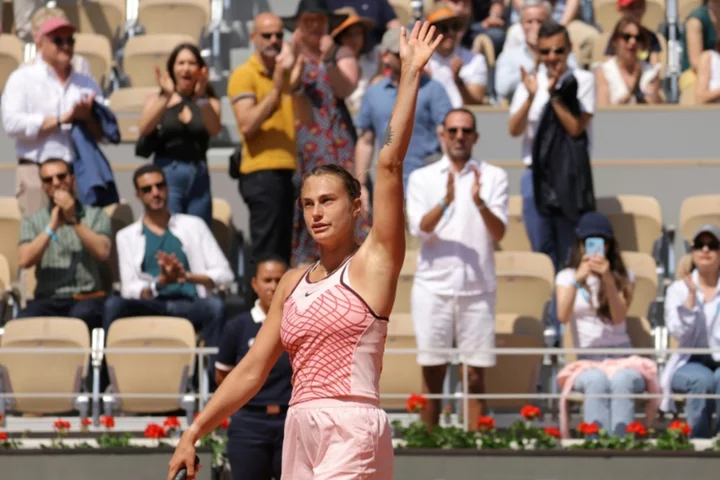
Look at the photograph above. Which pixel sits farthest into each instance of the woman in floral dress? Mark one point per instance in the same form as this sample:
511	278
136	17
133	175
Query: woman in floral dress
331	73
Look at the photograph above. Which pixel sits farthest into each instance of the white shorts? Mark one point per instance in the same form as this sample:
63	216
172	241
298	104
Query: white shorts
444	321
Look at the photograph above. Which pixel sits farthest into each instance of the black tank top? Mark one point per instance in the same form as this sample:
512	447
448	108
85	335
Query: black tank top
183	141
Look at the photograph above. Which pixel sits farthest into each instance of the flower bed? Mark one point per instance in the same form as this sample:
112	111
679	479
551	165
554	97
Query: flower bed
524	450
524	434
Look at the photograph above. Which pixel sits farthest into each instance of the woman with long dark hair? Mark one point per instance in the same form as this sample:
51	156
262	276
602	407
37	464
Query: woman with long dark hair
177	124
593	295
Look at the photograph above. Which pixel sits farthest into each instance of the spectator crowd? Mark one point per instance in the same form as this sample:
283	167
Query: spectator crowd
319	89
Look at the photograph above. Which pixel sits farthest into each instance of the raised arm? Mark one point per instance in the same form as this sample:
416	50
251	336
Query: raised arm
388	233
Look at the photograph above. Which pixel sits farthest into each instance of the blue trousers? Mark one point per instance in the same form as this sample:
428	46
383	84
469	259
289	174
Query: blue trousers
694	377
254	447
612	414
188	187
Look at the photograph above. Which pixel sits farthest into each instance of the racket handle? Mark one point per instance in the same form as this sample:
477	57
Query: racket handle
182	474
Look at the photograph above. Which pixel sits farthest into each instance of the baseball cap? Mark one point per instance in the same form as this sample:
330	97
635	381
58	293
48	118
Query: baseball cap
713	230
594	224
391	41
52	24
625	3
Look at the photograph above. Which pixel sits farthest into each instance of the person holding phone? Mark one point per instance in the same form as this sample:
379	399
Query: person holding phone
593	295
177	124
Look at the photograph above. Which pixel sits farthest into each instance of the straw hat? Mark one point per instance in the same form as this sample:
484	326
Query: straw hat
352	19
440	13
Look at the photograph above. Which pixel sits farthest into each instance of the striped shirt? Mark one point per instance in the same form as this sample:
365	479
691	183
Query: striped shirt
66	268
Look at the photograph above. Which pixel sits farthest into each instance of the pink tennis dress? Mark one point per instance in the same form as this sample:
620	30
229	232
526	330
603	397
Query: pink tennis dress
335	429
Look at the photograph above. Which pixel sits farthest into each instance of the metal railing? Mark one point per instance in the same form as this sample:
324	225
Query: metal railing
202	395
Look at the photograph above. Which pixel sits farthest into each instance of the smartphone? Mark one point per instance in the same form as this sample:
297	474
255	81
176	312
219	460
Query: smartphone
595	246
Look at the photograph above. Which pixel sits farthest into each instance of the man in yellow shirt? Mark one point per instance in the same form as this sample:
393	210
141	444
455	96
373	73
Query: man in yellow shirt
264	96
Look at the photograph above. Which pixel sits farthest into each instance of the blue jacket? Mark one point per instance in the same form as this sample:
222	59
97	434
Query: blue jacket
95	181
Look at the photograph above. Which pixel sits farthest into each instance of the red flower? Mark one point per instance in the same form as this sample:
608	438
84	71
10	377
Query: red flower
680	426
108	421
552	431
637	429
588	428
86	422
154	430
225	423
3	436
171	422
61	425
530	412
485	423
416	403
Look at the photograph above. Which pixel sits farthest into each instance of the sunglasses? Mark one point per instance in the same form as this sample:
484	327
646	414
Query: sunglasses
48	180
269	35
453	131
446	28
62	41
556	50
148	188
712	245
628	36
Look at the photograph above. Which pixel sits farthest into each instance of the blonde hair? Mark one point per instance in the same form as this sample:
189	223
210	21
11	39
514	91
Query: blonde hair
44	14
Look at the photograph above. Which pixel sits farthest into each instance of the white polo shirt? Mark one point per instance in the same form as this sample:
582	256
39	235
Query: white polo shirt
585	93
457	258
473	72
34	92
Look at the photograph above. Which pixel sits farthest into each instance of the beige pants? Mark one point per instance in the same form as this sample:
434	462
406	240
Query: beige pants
28	189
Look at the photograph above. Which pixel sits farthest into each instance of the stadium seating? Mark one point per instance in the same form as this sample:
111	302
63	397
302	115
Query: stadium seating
167	374
188	17
11	57
33	373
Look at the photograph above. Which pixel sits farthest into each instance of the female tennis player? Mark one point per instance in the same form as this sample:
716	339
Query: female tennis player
332	318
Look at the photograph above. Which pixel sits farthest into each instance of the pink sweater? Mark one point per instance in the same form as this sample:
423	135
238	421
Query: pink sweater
646	367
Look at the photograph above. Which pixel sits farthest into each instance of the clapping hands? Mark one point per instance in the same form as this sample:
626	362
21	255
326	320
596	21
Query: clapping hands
171	269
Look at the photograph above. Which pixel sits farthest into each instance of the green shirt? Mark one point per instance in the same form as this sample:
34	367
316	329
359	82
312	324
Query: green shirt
66	267
709	35
168	243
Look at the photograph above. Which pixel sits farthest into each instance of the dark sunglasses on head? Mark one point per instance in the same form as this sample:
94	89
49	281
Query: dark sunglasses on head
61	41
148	188
60	176
446	28
269	35
628	36
713	245
556	50
453	131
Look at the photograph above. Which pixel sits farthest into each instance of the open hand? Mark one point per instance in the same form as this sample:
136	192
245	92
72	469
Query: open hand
164	81
477	185
416	50
450	189
530	81
201	82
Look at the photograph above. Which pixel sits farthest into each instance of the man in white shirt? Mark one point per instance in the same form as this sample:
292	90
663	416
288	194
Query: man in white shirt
458	207
533	13
462	72
552	235
39	104
169	264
